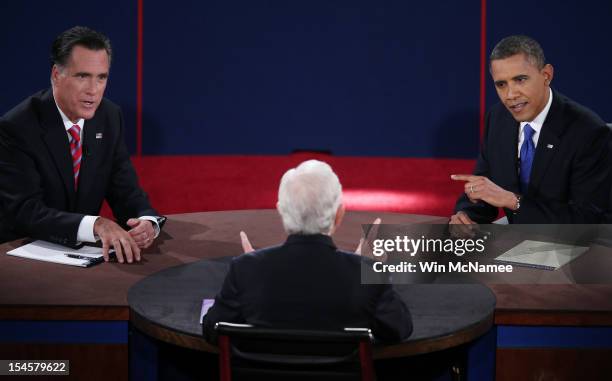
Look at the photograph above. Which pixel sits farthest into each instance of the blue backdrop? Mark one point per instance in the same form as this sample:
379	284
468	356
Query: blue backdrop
575	37
354	77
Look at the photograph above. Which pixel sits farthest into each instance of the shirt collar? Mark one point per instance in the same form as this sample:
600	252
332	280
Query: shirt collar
310	238
67	122
538	121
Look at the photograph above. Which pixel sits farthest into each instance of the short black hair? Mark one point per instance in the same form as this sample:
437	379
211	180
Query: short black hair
78	35
519	44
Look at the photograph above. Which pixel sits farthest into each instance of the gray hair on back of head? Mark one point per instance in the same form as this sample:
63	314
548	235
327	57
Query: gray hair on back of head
308	198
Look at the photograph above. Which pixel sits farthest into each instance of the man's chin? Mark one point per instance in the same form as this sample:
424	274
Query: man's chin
88	114
521	116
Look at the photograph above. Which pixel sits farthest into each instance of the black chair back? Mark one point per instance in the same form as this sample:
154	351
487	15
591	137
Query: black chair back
252	353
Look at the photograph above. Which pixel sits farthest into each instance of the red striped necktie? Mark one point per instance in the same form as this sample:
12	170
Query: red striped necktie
76	151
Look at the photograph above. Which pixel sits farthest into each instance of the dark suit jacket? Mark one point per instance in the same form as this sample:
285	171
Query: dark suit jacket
37	196
309	284
570	174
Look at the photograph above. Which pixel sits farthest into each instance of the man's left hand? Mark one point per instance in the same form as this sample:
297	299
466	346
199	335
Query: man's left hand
142	232
246	244
366	241
481	188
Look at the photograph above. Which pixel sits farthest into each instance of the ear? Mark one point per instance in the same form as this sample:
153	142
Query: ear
55	72
338	219
548	72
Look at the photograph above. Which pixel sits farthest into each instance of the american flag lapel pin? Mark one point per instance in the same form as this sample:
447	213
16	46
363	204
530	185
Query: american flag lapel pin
98	135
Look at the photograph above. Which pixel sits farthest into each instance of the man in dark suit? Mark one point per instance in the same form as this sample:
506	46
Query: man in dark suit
62	153
307	282
544	158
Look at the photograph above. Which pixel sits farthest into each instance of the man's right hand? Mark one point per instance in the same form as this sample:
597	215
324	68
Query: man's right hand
462	226
112	235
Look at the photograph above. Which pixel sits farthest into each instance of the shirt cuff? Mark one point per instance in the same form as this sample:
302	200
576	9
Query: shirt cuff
154	221
86	229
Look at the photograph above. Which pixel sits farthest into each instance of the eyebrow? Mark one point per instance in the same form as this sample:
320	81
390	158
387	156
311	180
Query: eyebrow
84	73
515	78
520	76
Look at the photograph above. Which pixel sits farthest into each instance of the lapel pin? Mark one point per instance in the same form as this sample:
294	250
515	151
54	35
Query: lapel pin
549	146
99	135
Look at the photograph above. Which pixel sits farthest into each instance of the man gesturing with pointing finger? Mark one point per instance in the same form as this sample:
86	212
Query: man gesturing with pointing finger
544	158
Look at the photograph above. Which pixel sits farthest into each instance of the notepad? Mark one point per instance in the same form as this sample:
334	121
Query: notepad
541	255
206	304
86	256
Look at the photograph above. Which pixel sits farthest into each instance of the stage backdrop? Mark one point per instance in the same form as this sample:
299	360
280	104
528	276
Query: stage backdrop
29	27
383	78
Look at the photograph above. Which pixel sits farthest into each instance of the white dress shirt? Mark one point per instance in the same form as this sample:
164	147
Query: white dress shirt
536	124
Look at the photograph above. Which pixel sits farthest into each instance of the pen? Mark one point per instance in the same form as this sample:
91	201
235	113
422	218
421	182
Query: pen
76	256
90	261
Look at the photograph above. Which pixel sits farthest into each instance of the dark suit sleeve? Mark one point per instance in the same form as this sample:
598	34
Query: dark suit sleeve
589	185
226	307
392	320
22	194
124	195
480	212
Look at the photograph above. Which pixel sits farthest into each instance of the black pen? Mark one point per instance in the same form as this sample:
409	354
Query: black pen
90	261
76	256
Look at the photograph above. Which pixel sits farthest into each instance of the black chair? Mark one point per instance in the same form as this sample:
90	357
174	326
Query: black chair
253	353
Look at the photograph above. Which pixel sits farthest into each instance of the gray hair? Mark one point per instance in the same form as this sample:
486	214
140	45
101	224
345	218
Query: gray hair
308	198
514	45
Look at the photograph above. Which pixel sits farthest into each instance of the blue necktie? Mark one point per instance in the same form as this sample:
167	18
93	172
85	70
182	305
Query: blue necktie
527	154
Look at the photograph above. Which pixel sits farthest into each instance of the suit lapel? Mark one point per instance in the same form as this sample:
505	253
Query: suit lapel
55	137
92	138
549	140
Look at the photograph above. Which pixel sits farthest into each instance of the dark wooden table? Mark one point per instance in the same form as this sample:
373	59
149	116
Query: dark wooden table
55	311
45	293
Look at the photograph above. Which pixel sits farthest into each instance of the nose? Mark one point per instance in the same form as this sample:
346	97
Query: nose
512	91
92	86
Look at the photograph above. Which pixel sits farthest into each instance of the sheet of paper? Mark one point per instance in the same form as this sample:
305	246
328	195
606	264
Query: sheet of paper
50	252
545	255
206	304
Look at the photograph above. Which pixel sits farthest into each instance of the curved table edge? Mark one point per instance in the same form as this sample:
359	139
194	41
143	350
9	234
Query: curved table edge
435	344
169	335
463	336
